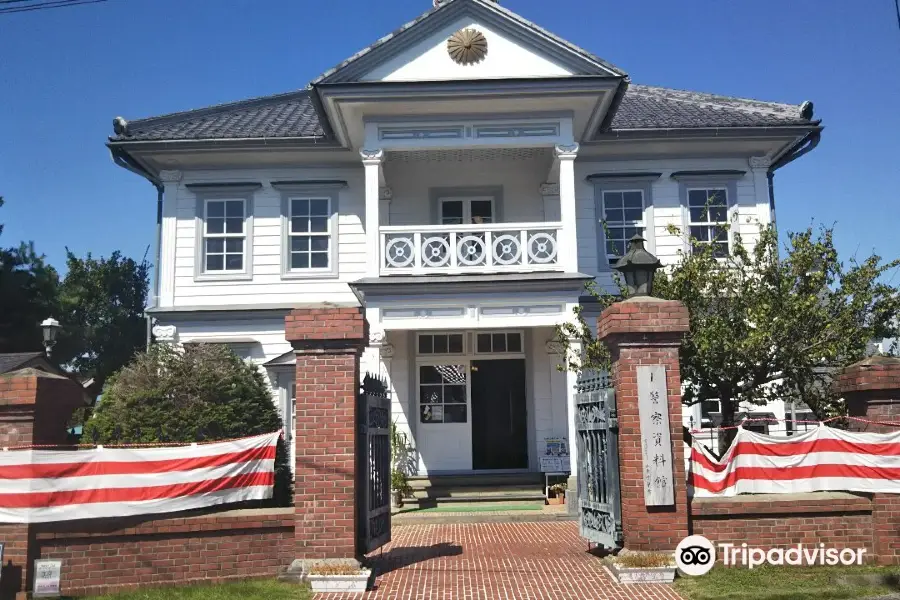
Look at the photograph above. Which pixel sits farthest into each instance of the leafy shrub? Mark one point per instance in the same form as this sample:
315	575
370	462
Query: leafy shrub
200	393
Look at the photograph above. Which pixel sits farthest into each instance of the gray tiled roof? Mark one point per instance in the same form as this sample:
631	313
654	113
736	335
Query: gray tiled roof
647	107
281	116
13	360
294	115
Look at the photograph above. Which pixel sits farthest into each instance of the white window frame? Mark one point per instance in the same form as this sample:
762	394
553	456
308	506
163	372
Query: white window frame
622	182
708	180
223	192
310	190
622	225
431	334
467	208
709	224
448	361
291	235
504	353
224	236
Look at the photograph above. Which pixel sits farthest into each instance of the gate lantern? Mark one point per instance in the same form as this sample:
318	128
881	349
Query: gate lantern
639	267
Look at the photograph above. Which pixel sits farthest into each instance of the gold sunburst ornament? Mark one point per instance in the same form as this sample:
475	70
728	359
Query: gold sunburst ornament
467	46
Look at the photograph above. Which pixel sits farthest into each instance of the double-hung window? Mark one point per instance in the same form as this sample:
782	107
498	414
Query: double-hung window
624	208
310	227
224	235
623	218
708	218
309	233
708	199
224	216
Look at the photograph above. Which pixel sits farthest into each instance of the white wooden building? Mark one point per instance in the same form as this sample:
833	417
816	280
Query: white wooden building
453	179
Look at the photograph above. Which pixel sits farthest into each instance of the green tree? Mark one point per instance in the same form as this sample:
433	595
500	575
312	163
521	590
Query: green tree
28	295
770	322
101	310
201	393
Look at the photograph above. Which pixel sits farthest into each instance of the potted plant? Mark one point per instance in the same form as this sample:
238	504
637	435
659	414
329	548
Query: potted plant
400	488
338	578
558	492
400	448
643	567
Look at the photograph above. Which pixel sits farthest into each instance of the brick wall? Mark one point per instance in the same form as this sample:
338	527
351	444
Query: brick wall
328	343
646	331
839	520
101	556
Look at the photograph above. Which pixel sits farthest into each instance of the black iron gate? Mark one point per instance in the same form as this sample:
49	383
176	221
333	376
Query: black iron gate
596	428
373	469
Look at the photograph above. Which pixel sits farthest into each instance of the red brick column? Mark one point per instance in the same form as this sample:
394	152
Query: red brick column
328	343
871	389
35	407
646	331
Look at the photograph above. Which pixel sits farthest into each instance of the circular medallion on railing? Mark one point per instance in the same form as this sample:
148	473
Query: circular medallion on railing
399	252
470	250
542	248
507	249
435	251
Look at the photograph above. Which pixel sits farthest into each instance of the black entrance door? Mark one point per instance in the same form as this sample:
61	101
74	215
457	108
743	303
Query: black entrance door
499	436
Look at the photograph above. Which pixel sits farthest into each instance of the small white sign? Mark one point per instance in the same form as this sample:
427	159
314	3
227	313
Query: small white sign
554	464
46	578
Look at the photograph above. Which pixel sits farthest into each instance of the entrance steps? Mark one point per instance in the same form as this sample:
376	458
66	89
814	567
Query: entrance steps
436	491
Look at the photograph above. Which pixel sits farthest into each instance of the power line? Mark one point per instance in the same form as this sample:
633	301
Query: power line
43	5
897	6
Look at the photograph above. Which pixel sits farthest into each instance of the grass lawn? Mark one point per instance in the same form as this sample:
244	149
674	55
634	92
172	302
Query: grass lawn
790	583
243	590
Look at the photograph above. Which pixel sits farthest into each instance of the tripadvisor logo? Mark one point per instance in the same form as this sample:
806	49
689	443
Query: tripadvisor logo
696	555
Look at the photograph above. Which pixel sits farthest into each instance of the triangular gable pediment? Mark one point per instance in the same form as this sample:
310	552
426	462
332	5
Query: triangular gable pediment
516	48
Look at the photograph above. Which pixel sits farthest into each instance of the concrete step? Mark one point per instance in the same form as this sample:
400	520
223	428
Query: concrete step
477	480
477	492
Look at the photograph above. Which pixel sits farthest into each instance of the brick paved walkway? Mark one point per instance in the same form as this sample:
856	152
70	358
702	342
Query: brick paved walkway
483	561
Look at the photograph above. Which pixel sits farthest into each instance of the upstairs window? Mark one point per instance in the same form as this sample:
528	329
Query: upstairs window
708	218
310	234
623	218
225	236
466	211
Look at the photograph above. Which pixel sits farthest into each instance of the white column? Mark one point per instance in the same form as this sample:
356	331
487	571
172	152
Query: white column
372	160
759	167
165	270
568	245
571	389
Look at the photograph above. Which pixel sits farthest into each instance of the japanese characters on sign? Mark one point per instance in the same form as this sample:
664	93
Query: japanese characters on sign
656	443
46	578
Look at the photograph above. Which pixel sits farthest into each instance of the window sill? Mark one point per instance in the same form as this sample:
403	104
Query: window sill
223	277
310	274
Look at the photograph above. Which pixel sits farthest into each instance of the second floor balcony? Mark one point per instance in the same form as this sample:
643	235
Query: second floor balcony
470	249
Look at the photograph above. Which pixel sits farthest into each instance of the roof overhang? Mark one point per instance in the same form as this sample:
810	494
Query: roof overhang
347	106
435	286
736	142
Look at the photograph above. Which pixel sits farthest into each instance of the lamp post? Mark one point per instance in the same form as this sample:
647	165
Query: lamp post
50	327
639	268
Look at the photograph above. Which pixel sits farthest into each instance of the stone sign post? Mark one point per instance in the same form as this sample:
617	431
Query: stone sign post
656	443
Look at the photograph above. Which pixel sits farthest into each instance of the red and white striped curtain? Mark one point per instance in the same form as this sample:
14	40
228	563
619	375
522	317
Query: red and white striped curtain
821	459
38	486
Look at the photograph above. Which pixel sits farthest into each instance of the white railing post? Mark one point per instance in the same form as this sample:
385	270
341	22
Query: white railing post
453	250
524	237
372	159
567	243
382	253
488	249
417	250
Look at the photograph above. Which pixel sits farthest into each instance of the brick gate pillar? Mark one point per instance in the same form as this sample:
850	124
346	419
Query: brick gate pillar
35	408
871	388
647	331
328	343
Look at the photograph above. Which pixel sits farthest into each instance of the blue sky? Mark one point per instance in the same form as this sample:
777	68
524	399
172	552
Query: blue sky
64	75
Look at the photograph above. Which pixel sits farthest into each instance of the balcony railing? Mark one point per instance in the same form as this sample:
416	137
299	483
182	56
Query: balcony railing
500	247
